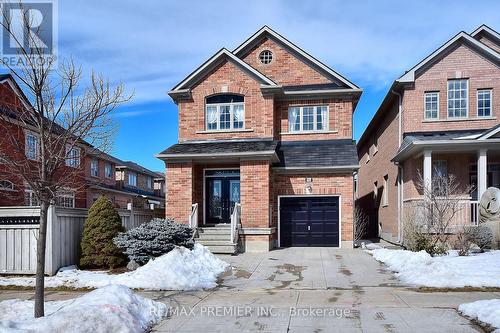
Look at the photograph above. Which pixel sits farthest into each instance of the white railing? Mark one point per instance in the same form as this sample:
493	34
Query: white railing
193	217
466	214
235	222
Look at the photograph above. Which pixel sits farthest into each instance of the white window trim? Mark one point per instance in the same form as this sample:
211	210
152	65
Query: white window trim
37	147
69	160
491	103
425	104
128	179
92	168
67	195
231	117
31	197
149	182
315	120
106	165
466	100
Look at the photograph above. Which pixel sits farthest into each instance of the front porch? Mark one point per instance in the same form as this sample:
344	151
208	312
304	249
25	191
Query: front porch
474	172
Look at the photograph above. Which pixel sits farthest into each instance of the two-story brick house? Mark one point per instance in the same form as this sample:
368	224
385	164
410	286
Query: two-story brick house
94	170
441	116
269	127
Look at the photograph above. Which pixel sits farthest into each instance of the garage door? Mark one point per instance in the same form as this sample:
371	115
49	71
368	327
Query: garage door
309	221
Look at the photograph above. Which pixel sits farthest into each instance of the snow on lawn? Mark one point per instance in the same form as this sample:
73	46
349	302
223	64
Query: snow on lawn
449	271
487	312
108	309
180	269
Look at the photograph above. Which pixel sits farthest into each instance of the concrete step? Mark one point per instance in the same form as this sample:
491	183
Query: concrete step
222	236
215	242
214	231
222	249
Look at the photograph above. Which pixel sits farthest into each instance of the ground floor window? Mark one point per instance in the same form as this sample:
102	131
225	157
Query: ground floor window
63	199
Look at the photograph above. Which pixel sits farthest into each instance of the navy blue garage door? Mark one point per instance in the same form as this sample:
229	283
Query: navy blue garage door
309	221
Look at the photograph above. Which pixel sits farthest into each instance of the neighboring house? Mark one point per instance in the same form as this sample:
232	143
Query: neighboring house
96	174
134	178
13	190
441	116
267	126
159	185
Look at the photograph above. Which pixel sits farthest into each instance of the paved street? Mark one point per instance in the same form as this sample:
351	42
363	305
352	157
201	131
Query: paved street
307	290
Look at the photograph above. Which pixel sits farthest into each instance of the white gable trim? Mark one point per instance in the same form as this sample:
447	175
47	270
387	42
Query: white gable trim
486	29
274	34
410	75
490	134
215	57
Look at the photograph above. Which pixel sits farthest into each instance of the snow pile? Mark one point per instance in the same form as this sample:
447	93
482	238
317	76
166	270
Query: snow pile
449	271
108	309
487	312
180	269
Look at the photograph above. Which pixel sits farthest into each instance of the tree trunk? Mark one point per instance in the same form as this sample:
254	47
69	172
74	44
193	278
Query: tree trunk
40	260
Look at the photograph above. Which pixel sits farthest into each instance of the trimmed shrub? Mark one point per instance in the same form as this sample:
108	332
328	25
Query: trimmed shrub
101	226
481	235
152	239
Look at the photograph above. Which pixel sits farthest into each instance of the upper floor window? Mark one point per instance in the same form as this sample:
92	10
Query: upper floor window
431	105
149	181
31	148
94	168
484	103
73	157
458	92
6	185
108	171
132	179
266	57
308	118
225	112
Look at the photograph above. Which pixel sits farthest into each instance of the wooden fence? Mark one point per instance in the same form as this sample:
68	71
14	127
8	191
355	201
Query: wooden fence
19	232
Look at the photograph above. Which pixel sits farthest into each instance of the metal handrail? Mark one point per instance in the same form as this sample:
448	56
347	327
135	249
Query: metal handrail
235	222
193	217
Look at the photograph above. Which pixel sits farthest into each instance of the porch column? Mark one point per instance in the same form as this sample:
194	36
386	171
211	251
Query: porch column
427	168
482	172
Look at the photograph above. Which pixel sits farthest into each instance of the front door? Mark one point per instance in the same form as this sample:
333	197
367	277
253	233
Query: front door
222	192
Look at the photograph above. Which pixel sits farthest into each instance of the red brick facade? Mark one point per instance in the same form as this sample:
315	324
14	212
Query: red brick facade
266	117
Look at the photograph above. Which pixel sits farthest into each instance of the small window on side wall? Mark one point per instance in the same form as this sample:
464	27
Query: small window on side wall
431	105
385	193
6	185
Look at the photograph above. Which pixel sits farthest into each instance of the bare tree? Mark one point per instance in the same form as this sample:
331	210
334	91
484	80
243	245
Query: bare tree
361	223
443	199
64	116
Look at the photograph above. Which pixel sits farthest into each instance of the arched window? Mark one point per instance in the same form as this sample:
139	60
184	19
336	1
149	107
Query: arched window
225	112
6	185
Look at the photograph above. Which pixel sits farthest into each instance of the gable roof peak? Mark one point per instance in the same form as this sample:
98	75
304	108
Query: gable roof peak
244	47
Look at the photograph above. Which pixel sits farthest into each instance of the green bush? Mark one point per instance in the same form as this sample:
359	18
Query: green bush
101	226
153	239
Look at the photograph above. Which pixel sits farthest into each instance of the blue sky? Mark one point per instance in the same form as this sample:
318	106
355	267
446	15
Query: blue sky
151	45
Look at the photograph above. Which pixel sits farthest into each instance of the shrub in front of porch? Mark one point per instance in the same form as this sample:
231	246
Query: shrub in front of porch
152	239
102	225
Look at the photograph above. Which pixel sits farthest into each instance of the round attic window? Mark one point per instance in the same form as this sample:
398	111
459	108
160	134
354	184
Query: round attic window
266	57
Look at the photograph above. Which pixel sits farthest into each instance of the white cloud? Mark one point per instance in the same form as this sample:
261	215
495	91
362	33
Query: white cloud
152	45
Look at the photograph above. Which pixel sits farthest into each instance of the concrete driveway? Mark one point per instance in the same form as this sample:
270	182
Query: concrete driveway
314	290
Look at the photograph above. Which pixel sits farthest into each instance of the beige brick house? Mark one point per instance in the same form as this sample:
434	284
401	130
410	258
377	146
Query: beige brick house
265	156
441	116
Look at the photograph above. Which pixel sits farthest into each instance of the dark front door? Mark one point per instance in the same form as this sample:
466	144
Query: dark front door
222	191
309	221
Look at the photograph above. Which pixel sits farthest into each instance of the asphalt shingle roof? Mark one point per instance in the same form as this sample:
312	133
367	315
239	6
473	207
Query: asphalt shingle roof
323	153
438	135
221	147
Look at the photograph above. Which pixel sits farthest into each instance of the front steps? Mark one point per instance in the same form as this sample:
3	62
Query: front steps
216	237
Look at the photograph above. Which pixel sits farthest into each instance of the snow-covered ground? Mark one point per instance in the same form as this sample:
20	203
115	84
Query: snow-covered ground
180	269
449	271
487	312
108	309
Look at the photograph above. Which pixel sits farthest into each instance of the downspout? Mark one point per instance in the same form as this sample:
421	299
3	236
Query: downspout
400	169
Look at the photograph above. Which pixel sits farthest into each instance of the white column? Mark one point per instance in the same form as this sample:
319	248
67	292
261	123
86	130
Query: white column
427	168
482	172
